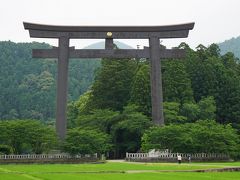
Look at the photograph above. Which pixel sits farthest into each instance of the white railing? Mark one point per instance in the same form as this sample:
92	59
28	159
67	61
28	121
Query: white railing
45	156
137	155
174	155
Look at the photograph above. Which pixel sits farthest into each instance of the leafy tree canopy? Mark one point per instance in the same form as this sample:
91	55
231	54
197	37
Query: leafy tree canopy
80	141
27	136
203	136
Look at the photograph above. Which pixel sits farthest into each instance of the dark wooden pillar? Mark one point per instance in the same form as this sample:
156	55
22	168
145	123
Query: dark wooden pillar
62	86
156	81
109	43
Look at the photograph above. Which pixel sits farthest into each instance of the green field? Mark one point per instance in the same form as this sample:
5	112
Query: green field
116	170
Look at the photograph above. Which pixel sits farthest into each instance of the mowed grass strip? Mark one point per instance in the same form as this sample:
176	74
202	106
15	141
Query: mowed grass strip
139	176
109	171
111	167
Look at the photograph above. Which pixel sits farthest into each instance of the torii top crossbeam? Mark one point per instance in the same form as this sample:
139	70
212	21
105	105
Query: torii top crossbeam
101	32
63	53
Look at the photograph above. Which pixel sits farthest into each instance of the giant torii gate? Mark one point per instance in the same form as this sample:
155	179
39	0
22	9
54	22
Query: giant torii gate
64	52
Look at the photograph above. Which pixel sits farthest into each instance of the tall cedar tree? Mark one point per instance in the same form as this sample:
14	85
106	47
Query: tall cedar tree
112	86
141	91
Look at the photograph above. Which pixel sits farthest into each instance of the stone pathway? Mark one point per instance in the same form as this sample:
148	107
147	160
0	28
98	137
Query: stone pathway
229	169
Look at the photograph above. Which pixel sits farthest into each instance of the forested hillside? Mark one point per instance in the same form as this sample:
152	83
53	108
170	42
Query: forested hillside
28	86
231	45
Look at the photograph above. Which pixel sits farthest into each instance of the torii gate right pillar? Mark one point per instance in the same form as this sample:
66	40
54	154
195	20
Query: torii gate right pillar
156	81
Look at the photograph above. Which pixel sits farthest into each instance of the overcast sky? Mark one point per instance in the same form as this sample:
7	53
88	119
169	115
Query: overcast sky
215	20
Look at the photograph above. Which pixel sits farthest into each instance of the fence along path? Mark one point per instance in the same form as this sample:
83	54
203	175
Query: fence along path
171	156
45	156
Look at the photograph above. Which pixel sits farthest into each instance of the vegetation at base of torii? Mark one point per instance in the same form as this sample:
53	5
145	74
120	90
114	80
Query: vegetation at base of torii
125	128
26	136
203	136
86	141
28	85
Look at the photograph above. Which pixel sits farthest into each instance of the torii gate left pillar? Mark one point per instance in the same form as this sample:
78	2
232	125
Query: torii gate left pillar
62	86
63	53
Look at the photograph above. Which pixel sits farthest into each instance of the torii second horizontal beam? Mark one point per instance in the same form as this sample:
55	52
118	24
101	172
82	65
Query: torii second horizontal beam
108	53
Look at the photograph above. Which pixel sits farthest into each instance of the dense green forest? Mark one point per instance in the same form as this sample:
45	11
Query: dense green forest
201	92
28	86
201	103
203	80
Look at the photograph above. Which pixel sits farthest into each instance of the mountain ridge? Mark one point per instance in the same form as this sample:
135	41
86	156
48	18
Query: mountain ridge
230	45
101	45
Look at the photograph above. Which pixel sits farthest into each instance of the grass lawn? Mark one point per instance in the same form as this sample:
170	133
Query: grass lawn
115	171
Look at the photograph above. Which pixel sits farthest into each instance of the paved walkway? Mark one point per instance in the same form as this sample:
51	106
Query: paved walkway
116	160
